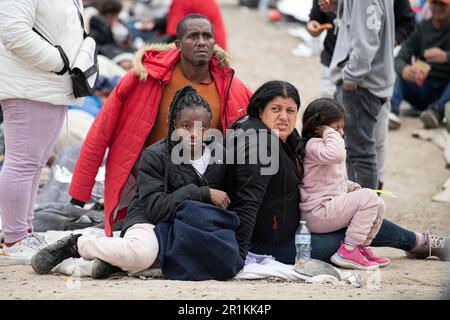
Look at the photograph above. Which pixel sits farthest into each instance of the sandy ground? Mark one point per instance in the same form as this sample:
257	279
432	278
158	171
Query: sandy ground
415	171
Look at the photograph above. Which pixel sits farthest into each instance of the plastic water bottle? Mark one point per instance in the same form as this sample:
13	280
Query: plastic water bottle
303	242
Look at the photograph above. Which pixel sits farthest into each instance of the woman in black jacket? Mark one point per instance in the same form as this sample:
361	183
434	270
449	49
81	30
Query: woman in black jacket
265	194
162	186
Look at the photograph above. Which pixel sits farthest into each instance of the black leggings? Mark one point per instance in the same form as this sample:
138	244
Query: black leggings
324	245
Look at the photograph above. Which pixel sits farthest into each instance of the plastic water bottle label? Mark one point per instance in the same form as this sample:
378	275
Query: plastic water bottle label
303	239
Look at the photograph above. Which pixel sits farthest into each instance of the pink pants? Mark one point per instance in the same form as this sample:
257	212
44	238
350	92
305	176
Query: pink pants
360	211
31	130
135	252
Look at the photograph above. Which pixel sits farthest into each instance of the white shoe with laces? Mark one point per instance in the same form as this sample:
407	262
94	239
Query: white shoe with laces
19	253
37	240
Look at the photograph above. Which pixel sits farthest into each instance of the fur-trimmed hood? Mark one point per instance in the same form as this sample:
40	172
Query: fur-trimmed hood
148	56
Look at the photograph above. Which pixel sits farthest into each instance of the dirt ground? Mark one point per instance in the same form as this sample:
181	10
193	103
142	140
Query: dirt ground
415	171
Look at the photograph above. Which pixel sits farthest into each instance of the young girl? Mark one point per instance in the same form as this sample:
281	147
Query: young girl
162	185
329	201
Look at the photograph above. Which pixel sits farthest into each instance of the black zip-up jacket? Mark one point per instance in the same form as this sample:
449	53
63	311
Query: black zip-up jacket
267	205
426	36
404	25
152	204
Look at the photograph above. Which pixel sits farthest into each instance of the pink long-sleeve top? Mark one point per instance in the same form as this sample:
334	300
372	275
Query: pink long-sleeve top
325	173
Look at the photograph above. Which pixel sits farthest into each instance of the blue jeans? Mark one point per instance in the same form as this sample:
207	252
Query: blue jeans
430	94
324	245
361	111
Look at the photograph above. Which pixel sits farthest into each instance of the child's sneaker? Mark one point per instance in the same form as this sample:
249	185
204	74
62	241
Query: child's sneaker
19	253
368	253
353	259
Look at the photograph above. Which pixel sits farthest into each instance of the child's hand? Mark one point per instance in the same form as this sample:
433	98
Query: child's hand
353	186
219	198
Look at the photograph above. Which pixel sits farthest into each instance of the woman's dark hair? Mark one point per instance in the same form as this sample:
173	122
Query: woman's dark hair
186	97
269	91
320	112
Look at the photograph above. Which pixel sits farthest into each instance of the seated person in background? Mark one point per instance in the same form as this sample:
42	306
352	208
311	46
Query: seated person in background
423	68
103	89
111	34
148	20
124	60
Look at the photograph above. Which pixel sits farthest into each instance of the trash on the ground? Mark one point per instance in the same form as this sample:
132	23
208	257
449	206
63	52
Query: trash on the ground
355	280
313	267
386	193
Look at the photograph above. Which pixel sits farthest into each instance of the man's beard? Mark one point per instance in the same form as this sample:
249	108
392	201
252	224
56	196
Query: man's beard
200	63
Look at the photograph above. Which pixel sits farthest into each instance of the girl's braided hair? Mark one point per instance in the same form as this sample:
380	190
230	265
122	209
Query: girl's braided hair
319	112
186	97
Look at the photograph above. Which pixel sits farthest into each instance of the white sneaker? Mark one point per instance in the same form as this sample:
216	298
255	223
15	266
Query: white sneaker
304	51
20	253
394	121
37	241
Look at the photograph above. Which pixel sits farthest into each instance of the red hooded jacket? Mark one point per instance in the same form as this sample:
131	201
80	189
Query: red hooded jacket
209	8
125	121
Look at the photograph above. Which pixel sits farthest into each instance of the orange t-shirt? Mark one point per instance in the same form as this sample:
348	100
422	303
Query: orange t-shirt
207	90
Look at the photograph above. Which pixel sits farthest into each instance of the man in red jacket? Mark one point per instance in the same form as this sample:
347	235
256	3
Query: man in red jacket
135	114
209	8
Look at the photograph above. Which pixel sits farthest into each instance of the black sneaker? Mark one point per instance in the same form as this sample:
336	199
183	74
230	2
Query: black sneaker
49	257
101	269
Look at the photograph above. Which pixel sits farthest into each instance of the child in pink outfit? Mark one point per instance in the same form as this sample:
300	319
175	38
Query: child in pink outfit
329	201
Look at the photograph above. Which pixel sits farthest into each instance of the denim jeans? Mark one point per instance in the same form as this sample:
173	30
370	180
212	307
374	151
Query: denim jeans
324	245
361	111
430	94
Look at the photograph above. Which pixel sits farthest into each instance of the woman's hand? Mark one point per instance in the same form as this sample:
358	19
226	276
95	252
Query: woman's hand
219	198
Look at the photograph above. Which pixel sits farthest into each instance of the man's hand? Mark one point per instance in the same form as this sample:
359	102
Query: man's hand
349	86
314	28
328	5
436	55
219	198
409	73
